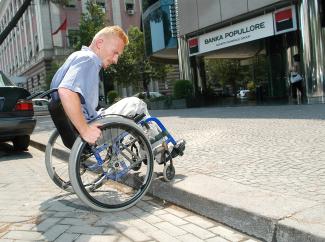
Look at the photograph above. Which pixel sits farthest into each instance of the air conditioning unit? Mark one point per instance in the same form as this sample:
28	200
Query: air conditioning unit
130	11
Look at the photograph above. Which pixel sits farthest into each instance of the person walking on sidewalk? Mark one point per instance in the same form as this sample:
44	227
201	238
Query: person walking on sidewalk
77	81
296	80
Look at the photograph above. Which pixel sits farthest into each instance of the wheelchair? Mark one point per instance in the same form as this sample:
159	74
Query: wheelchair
116	172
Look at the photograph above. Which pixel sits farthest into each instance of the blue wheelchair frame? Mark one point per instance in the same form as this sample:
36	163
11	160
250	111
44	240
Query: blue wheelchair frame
116	150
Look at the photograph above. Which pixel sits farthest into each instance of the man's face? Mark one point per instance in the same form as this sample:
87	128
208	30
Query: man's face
110	48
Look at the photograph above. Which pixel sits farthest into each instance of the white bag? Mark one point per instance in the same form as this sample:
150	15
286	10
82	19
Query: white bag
295	77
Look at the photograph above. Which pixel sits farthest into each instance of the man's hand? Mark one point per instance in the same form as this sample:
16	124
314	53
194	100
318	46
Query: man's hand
91	134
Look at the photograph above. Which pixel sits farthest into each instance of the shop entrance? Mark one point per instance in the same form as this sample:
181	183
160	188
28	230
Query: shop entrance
247	74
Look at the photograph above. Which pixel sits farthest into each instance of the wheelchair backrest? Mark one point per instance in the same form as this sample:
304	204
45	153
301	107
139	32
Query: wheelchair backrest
62	123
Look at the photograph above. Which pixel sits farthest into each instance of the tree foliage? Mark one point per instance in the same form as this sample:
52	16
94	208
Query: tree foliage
133	66
91	22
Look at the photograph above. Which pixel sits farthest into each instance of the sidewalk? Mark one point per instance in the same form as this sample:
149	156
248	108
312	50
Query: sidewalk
260	170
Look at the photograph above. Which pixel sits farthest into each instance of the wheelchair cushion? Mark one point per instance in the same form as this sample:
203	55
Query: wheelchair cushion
62	123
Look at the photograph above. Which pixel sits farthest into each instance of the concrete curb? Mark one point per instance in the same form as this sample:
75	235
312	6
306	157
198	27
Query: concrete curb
267	216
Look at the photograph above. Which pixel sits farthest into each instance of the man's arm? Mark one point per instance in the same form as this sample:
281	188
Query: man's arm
72	106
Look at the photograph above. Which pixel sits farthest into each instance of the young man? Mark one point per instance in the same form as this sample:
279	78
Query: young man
77	81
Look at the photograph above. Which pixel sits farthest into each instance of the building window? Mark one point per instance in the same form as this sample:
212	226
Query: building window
38	80
102	5
36	44
73	37
32	81
70	4
129	6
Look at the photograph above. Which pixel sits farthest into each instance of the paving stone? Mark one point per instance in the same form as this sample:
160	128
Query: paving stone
189	237
46	224
86	230
162	236
20	226
75	221
171	218
97	238
55	231
218	239
178	212
135	234
170	229
23	235
197	231
227	233
200	221
67	237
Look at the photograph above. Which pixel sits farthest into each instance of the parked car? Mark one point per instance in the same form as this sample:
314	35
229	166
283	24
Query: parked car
243	93
40	106
145	95
16	114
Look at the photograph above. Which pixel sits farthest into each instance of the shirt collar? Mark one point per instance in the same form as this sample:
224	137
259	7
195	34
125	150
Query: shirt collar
96	58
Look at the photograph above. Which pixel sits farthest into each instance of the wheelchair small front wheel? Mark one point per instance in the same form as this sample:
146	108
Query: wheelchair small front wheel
169	172
56	162
112	178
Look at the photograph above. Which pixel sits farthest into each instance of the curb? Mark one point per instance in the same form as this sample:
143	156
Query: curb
264	225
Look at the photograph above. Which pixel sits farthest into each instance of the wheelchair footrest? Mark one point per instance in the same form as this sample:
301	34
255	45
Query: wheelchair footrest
178	149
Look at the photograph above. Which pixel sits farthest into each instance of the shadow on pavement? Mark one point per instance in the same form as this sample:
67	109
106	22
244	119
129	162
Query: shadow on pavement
7	152
65	217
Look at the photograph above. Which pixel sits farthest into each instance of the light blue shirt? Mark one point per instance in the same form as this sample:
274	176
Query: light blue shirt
80	73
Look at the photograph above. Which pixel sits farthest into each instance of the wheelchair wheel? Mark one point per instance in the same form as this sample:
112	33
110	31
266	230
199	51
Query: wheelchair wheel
56	161
112	178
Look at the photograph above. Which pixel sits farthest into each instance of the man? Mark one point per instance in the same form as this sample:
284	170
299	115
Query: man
77	80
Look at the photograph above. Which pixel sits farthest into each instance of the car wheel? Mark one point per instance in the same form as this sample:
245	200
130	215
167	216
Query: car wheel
21	142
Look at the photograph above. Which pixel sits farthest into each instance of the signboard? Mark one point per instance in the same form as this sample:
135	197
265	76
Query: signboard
285	20
252	29
277	22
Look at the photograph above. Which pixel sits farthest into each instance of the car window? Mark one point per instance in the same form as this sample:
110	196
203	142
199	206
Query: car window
4	81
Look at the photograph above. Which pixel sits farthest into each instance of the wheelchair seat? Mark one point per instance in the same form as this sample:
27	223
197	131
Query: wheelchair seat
62	123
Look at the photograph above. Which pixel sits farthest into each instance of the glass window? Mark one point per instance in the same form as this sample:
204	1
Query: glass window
73	37
71	3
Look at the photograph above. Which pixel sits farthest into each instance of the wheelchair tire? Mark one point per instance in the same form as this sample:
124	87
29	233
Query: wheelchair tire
115	185
56	161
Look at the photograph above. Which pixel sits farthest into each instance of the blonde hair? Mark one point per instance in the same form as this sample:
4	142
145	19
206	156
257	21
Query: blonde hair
112	30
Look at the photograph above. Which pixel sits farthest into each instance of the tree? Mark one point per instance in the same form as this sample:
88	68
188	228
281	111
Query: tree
222	72
91	22
133	66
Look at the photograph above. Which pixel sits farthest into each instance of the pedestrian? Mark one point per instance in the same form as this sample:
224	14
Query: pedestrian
296	80
77	81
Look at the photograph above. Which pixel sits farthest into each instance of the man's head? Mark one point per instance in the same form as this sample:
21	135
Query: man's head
109	44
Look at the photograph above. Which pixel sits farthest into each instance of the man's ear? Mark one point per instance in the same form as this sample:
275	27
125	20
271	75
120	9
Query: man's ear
99	43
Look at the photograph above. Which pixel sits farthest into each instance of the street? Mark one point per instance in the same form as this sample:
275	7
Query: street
272	153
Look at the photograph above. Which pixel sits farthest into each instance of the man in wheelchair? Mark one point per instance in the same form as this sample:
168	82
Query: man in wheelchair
77	82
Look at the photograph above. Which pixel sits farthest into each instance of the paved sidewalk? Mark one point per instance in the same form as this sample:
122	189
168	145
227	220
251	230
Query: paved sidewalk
32	208
258	169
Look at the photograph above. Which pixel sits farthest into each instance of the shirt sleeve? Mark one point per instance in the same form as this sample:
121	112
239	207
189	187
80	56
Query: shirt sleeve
79	76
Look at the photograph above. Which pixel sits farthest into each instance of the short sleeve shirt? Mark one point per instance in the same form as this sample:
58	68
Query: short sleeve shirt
80	74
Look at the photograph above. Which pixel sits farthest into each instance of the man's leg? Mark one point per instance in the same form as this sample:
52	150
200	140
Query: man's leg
129	106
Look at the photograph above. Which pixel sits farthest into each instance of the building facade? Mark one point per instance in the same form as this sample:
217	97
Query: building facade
46	33
266	38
